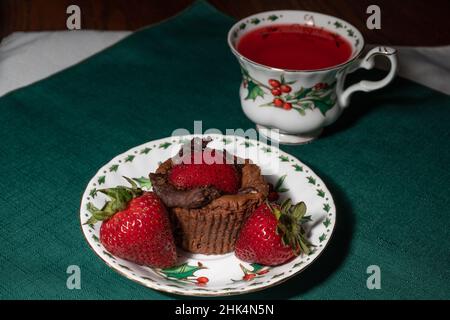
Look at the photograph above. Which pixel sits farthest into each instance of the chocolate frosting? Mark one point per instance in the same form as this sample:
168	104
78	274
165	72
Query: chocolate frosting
173	197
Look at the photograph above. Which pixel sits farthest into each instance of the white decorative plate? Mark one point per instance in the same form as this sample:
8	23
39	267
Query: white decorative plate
215	275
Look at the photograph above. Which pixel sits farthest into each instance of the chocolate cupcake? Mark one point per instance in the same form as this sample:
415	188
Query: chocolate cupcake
206	219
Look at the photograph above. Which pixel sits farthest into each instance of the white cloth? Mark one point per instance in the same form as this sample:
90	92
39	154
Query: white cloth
26	57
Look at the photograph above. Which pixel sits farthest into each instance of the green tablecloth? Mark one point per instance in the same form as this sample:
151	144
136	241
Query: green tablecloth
386	161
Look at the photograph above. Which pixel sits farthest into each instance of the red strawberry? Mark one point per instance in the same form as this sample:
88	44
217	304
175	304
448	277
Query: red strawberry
135	227
273	234
218	174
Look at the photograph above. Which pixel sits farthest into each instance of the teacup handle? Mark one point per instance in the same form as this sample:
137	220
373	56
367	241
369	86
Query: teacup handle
368	62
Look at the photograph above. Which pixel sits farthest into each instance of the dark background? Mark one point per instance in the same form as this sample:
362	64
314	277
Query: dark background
404	22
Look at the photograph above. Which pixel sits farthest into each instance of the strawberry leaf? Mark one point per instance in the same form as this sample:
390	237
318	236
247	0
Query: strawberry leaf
279	185
143	182
289	227
119	198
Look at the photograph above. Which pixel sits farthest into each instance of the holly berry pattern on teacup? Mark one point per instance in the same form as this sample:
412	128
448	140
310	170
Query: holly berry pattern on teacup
321	95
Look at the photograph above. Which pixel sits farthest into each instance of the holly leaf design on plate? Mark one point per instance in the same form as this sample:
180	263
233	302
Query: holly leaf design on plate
327	222
326	207
256	267
297	167
254	91
320	193
338	25
247	144
143	182
93	193
323	237
311	180
182	271
129	158
101	179
226	141
124	267
109	255
165	145
114	168
145	150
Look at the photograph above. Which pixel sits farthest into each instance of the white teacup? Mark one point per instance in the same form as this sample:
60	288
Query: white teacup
318	96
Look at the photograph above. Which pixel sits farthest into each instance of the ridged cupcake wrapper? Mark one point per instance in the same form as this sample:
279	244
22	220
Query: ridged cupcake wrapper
210	231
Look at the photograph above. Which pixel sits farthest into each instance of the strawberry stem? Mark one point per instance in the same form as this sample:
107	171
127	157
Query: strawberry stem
119	198
290	218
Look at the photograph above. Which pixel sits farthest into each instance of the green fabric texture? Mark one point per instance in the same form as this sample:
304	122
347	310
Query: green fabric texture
385	161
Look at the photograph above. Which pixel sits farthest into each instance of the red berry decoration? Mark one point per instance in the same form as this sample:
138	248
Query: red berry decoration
285	88
274	83
249	276
273	234
320	86
287	106
202	280
278	102
264	271
276	92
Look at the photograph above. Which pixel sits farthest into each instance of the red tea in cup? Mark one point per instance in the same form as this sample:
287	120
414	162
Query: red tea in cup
294	47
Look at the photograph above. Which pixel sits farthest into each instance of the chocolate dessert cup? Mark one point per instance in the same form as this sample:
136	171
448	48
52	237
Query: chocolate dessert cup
205	220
